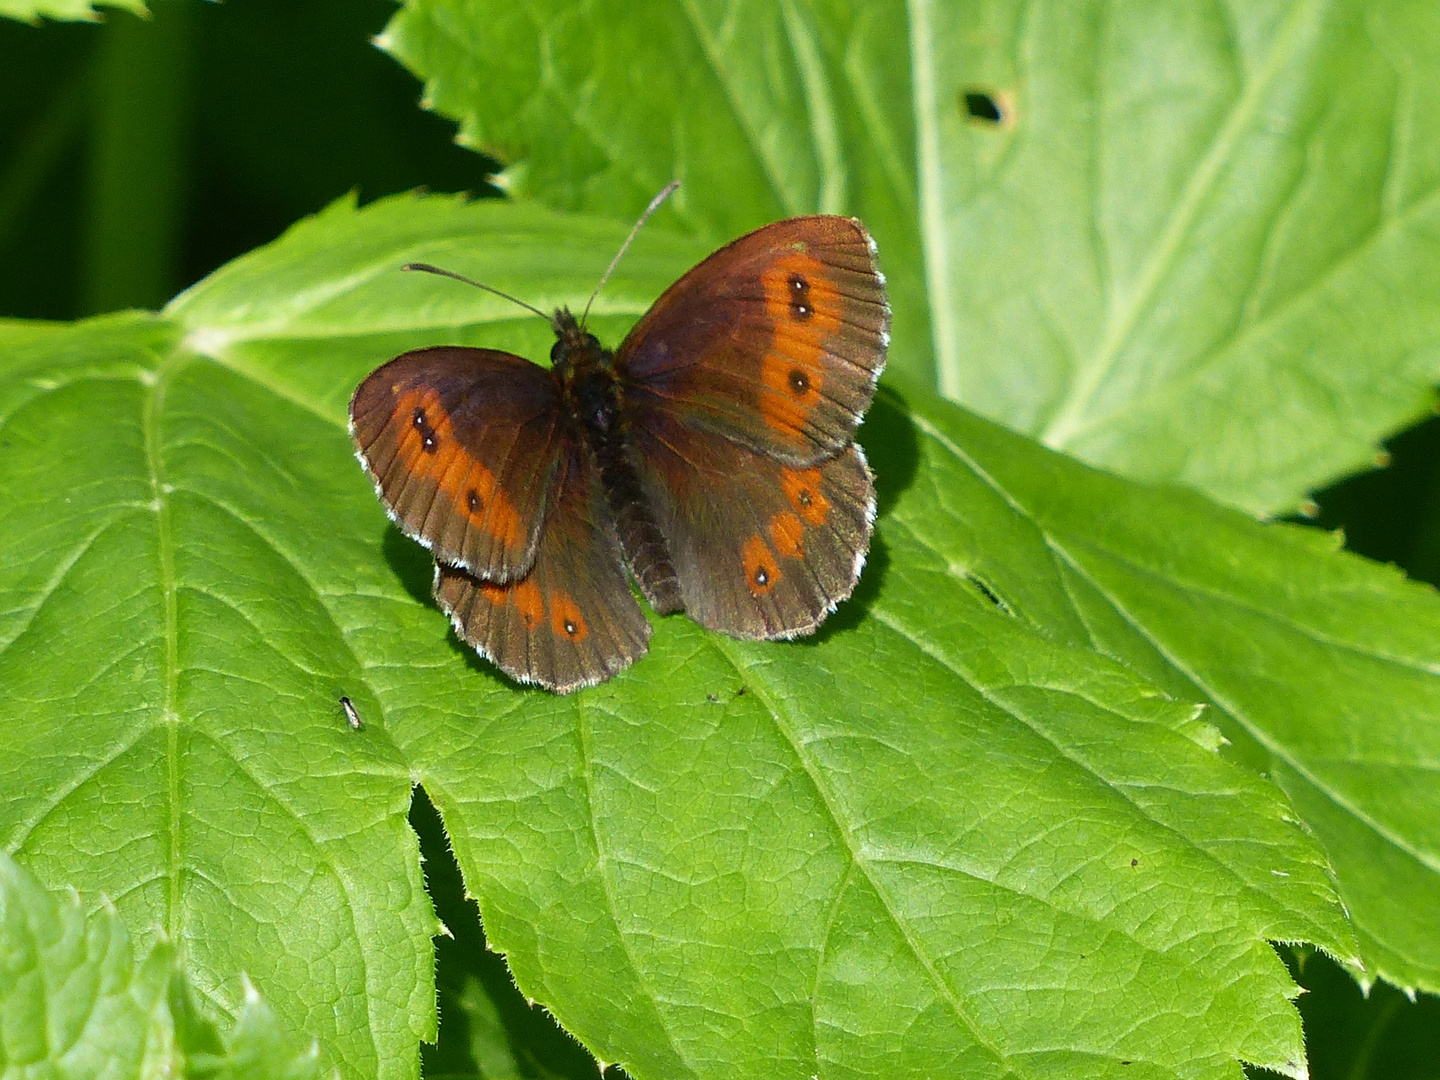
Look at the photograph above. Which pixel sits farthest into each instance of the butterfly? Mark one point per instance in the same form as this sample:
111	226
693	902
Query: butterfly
711	456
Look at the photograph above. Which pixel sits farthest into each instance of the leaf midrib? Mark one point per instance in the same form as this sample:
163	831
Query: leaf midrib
785	728
1069	419
154	403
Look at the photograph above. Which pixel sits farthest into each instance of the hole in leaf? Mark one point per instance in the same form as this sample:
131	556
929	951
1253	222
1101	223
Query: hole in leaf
982	107
991	595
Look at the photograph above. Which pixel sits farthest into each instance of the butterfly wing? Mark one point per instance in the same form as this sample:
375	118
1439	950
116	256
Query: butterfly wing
760	549
572	621
462	445
774	341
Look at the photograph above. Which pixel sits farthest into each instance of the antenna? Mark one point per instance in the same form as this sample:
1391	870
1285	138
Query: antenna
460	277
665	193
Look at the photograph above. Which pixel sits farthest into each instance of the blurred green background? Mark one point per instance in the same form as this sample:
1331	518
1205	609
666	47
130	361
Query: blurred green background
137	156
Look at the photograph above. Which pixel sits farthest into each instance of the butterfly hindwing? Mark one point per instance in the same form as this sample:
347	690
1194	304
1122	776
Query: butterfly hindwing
462	445
775	341
570	622
760	549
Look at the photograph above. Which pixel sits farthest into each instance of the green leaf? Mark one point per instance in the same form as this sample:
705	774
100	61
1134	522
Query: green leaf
72	998
489	1046
66	10
942	831
74	1003
1211	219
1321	666
172	664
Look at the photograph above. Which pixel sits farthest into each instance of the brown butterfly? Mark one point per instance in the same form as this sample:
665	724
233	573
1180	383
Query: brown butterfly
712	454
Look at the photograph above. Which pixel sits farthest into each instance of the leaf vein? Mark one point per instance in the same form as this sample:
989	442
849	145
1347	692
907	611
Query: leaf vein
785	728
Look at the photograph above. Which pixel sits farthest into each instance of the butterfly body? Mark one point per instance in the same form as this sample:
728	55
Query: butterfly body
593	394
711	456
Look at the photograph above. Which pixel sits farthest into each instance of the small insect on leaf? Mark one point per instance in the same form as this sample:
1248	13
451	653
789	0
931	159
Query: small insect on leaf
351	714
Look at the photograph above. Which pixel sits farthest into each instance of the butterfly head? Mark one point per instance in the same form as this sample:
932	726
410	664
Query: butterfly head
585	370
575	347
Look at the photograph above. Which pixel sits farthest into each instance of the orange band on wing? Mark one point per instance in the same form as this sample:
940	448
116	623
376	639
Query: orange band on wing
428	448
788	535
761	570
565	617
804	308
802	488
529	603
525	595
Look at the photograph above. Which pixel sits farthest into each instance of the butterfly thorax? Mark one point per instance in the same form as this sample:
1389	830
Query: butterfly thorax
585	371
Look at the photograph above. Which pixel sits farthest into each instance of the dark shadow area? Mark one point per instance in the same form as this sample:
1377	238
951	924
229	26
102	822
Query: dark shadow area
891	446
244	157
1353	1037
45	111
539	1046
1393	513
332	114
412	564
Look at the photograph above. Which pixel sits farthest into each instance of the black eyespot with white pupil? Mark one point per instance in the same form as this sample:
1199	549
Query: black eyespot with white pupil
799	382
762	576
473	501
571	628
427	433
800	309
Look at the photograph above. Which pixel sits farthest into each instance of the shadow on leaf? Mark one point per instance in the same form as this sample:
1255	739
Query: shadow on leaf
412	564
893	450
891	446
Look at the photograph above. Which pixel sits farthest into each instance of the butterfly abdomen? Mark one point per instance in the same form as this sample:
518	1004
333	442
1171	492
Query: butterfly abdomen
645	549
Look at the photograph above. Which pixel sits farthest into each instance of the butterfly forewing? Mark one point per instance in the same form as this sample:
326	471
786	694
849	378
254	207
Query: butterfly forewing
462	445
761	549
775	341
572	621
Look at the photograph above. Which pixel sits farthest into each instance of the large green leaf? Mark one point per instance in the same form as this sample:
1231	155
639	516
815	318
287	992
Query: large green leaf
75	1003
158	647
966	824
1212	219
1321	666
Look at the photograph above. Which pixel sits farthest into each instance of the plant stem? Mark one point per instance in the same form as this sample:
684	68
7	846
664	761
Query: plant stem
138	160
40	150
